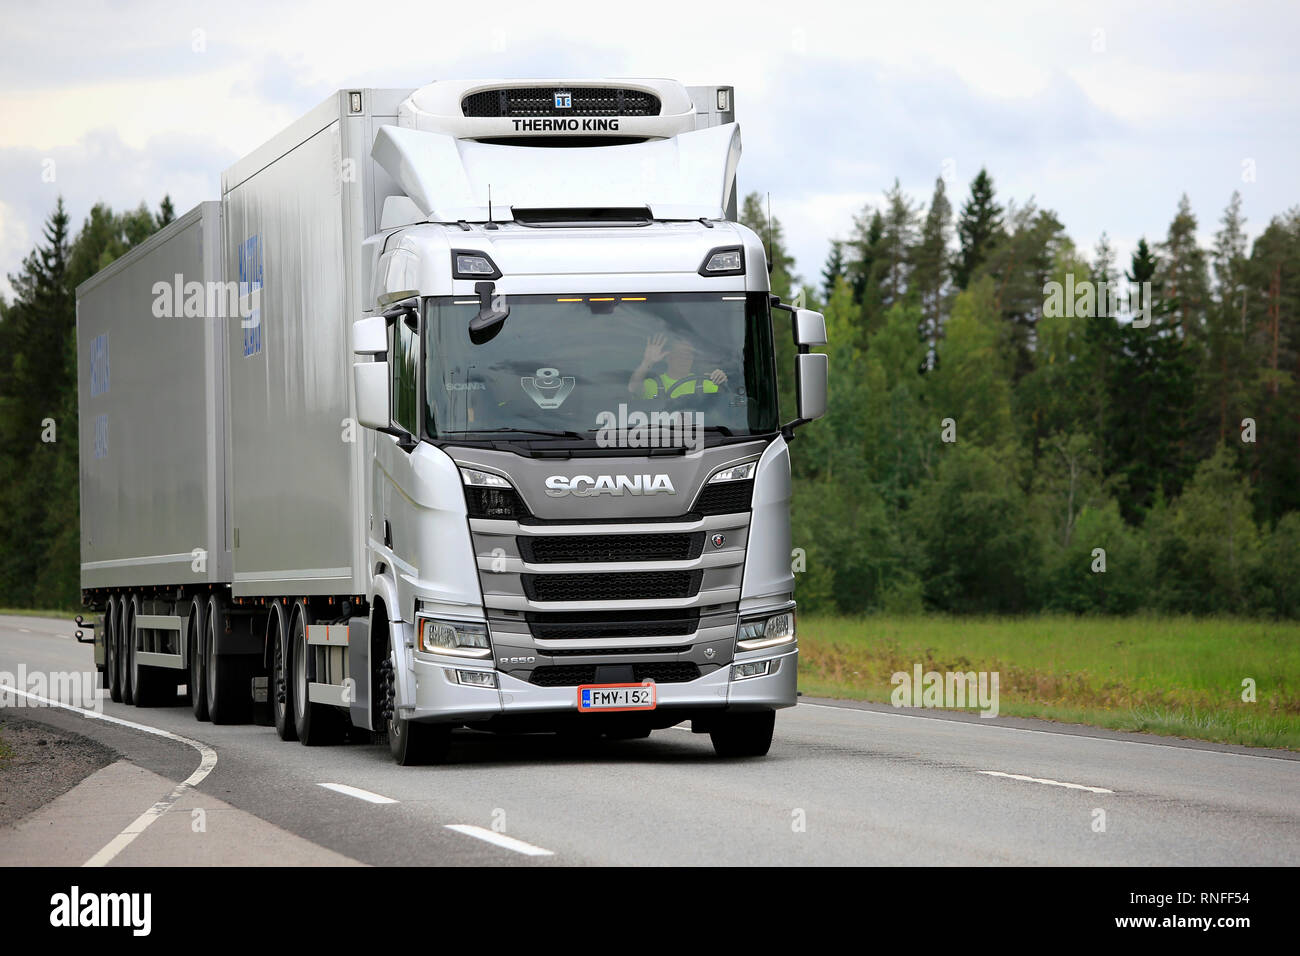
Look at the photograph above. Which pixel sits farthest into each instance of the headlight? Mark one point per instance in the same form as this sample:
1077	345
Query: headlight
765	631
734	473
482	479
452	637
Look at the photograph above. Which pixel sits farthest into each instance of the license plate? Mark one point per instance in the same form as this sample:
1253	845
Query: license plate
607	697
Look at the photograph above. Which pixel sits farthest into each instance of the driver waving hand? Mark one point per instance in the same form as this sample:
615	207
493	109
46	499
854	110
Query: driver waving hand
681	358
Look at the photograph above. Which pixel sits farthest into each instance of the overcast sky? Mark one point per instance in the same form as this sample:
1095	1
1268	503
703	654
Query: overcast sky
1104	112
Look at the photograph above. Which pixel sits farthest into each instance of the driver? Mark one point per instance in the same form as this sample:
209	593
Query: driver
681	359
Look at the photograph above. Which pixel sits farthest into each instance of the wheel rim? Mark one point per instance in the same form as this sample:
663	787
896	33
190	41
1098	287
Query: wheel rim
196	672
299	670
128	658
278	689
209	652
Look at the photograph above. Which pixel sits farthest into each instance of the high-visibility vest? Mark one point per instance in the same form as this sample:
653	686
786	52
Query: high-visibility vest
653	386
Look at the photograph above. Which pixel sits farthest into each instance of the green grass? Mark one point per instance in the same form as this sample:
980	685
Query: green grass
1175	675
5	751
41	612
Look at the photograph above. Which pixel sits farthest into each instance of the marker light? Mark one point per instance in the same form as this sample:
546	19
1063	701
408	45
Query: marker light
468	264
728	261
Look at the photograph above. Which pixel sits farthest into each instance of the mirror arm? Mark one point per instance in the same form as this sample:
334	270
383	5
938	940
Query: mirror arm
405	440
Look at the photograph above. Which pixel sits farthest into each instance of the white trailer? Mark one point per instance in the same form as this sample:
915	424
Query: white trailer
387	429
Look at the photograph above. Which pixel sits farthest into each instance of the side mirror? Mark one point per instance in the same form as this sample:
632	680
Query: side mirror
370	337
810	384
809	328
371	382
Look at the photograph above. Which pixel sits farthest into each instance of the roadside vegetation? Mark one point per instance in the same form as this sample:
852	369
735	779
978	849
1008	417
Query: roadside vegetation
1179	676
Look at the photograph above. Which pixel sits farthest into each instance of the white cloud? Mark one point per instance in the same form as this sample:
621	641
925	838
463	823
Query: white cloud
835	99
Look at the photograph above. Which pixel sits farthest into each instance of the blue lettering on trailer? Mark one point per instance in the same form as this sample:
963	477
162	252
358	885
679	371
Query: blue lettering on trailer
250	293
99	365
101	436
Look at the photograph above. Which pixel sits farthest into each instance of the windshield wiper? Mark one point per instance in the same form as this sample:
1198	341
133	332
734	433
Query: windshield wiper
542	432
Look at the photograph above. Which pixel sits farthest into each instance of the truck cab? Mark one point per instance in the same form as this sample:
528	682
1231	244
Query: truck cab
580	487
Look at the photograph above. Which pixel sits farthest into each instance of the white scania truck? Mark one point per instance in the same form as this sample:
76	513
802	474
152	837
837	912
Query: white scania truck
458	409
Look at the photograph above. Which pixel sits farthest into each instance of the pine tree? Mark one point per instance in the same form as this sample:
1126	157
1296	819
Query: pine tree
930	261
166	212
833	271
1150	392
978	228
1183	270
897	242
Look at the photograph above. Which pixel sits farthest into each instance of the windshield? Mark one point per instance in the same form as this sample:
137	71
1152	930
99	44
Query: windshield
653	369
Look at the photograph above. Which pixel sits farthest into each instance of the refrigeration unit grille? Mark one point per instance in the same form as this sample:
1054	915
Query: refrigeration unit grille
543	101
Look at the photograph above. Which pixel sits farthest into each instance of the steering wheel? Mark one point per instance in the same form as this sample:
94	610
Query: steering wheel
673	394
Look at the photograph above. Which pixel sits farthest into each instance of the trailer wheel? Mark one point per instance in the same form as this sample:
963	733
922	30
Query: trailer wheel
743	735
412	744
229	699
124	648
314	723
198	680
112	627
280	686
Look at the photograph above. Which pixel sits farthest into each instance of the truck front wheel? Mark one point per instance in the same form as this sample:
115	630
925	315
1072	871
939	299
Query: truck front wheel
411	743
743	735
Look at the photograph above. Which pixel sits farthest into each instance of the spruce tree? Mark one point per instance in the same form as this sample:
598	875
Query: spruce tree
978	227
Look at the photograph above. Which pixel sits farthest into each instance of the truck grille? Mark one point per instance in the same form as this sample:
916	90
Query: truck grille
632	586
591	548
540	101
571	675
584	625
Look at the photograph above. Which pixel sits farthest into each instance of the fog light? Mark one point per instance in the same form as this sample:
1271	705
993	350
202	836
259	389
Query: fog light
750	669
476	678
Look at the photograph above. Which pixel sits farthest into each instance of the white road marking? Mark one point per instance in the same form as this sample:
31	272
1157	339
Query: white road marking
499	839
1050	783
1026	730
208	760
358	793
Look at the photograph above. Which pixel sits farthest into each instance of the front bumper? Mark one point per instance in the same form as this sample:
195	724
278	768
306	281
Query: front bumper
439	698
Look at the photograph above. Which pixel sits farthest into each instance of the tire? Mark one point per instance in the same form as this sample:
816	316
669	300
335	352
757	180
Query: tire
743	735
124	648
279	686
414	744
315	724
112	626
229	698
198	679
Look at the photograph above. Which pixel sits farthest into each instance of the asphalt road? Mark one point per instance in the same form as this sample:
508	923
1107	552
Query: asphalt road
844	784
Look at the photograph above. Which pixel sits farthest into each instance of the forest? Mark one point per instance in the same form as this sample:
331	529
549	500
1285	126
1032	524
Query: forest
985	451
